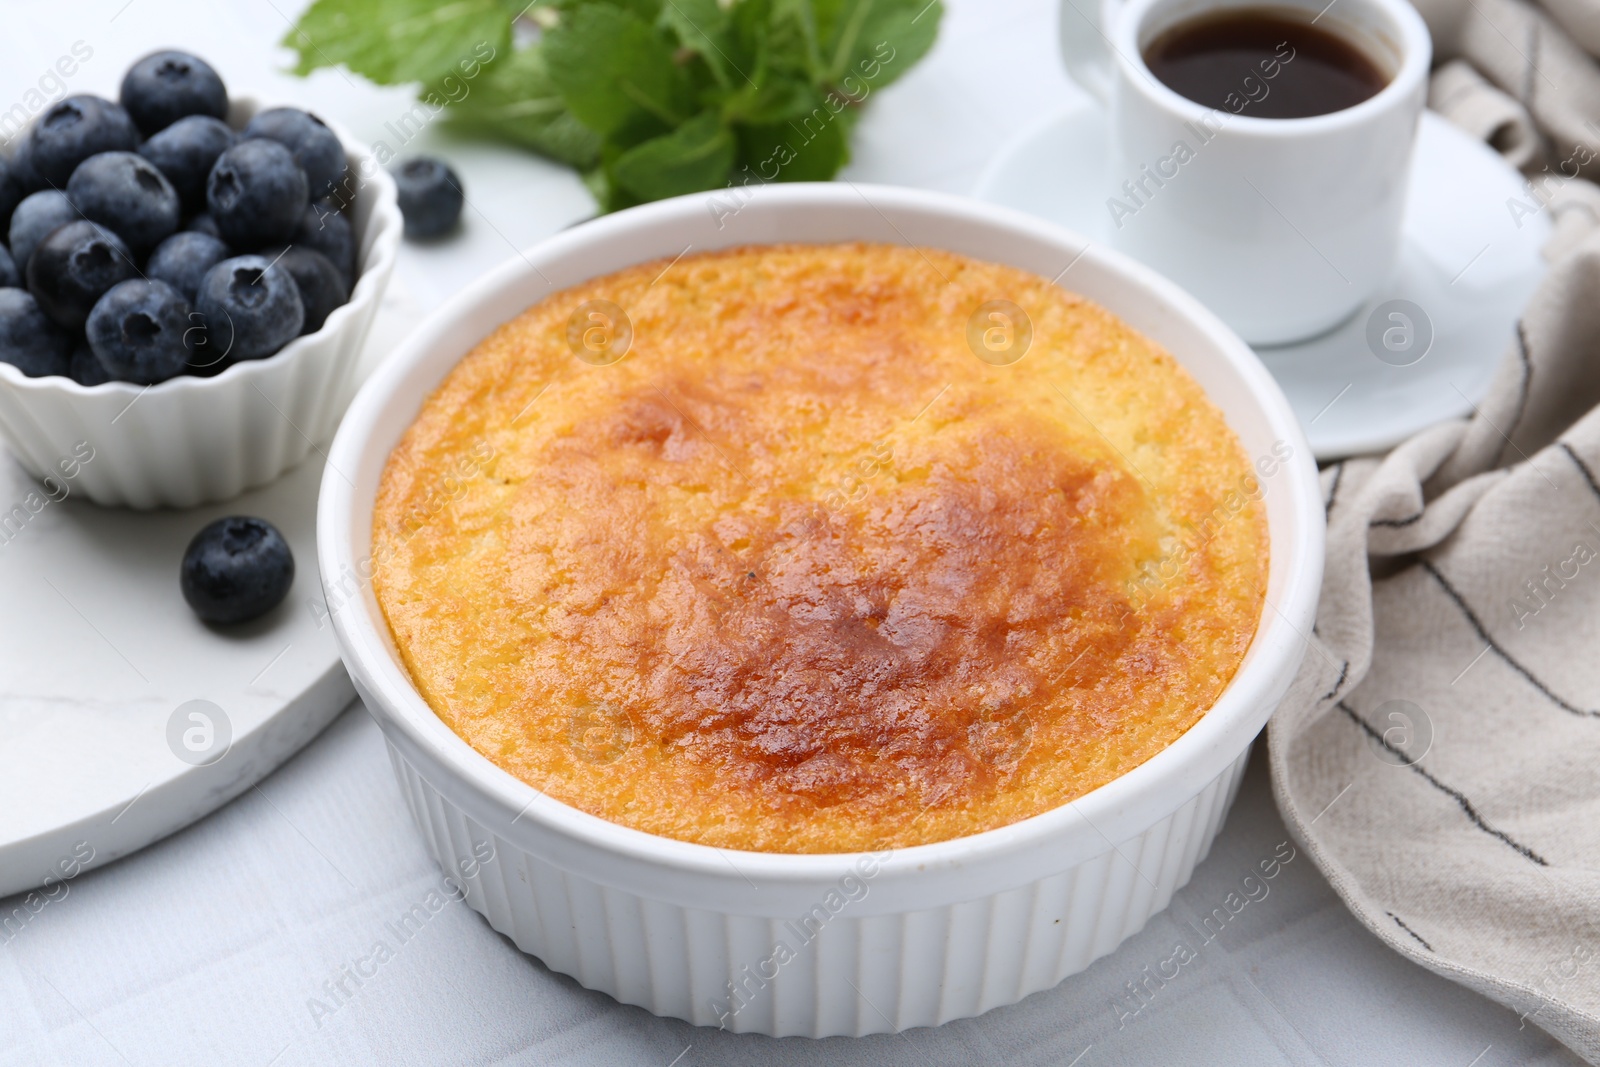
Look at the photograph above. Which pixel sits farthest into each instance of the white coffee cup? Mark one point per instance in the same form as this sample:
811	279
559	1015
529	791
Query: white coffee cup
1283	227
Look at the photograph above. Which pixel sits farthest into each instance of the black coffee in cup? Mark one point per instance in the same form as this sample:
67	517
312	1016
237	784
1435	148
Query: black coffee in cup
1263	62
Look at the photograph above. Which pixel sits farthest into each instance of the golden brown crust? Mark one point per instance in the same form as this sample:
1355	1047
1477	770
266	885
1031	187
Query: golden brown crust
802	574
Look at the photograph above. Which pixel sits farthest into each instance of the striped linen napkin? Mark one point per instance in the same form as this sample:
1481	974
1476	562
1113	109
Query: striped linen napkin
1439	755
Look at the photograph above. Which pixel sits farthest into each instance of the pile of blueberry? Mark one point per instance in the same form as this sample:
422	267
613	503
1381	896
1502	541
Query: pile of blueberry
146	239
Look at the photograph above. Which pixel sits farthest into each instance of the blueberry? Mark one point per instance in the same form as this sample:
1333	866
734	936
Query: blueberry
28	339
35	217
256	194
430	197
185	152
10	277
74	129
322	287
203	223
323	229
73	267
22	166
343	195
124	192
164	87
251	307
183	259
140	331
316	148
85	367
11	192
236	569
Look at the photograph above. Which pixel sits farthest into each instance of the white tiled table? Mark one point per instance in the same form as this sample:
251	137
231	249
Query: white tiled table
209	947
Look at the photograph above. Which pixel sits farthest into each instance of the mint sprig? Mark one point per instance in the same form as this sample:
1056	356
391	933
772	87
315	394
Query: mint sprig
648	98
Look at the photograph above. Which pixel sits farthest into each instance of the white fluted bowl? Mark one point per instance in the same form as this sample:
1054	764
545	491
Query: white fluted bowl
913	937
189	440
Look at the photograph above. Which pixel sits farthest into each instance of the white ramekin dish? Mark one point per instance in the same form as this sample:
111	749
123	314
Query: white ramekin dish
190	440
914	937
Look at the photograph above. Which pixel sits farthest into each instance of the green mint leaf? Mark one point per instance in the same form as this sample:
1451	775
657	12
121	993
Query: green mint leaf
808	147
648	10
750	31
648	98
742	45
397	41
515	100
695	156
606	196
602	183
792	37
702	27
874	40
615	72
783	97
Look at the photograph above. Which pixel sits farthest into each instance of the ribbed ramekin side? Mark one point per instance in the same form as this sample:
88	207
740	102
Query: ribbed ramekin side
670	987
201	442
707	969
879	950
842	974
1006	941
326	408
923	935
1218	800
404	776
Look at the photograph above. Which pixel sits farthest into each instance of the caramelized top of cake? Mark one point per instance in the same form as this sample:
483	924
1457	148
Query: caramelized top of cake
801	572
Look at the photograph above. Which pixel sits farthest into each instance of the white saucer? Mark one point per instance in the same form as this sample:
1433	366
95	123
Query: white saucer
1464	262
99	652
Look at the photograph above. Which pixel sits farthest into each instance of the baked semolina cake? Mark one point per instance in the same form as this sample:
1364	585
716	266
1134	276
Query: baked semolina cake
800	572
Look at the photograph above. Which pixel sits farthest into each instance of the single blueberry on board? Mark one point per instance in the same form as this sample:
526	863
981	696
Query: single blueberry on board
430	197
315	147
183	259
164	87
236	569
72	130
256	194
124	192
35	217
139	331
185	152
73	267
251	307
29	341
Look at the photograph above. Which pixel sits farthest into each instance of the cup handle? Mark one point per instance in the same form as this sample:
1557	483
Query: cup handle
1084	46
